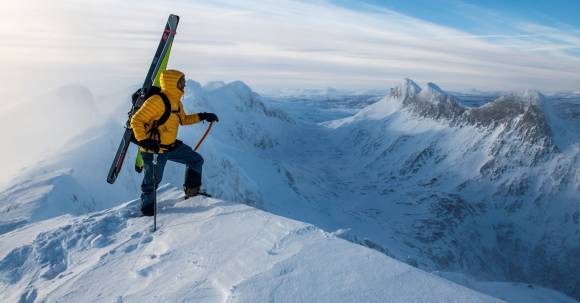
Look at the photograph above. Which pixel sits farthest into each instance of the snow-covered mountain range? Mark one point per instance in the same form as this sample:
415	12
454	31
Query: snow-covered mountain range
488	193
493	191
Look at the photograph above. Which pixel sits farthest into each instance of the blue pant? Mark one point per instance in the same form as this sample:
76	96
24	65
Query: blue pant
181	154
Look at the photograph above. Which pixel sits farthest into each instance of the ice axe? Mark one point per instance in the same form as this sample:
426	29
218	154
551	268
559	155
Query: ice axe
203	137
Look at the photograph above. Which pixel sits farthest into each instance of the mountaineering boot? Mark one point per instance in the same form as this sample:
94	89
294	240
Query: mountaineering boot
148	210
191	192
192	183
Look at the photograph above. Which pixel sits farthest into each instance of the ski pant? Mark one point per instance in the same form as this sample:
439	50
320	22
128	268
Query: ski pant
183	154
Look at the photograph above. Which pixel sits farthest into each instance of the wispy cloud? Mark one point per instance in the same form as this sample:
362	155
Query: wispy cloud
273	44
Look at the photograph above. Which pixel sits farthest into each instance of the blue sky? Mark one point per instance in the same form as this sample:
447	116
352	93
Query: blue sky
490	19
465	14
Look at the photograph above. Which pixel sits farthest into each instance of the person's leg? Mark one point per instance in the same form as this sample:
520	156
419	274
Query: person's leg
147	187
194	163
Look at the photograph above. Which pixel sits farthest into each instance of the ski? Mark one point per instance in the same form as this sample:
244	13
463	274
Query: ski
157	66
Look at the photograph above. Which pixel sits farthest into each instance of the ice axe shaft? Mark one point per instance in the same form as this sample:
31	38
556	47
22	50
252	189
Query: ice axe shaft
203	137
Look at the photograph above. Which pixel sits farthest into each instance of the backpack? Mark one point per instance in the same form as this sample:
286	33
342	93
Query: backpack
154	131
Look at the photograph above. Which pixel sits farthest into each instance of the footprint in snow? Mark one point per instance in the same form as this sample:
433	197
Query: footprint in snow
130	248
147	239
154	253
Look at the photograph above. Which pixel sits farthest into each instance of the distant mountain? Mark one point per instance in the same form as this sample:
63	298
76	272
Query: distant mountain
213	85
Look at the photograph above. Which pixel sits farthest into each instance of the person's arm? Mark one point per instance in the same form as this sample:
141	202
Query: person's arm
185	119
150	111
195	118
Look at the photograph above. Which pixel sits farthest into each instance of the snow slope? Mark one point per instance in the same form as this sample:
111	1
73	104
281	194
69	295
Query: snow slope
206	250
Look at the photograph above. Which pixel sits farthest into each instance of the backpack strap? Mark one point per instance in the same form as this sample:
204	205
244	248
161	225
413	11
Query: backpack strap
167	111
177	112
154	131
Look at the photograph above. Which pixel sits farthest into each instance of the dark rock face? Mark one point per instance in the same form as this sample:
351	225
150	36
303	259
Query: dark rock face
519	118
433	103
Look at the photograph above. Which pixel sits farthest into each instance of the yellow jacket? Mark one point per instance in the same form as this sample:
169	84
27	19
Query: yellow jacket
153	108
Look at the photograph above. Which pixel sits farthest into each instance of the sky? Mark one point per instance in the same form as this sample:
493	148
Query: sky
107	45
467	14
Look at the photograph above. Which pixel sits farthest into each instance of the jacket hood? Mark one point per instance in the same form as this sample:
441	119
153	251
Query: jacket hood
168	82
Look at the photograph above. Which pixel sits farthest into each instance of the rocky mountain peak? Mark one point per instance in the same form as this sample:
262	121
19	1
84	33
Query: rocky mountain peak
531	97
432	102
407	89
434	93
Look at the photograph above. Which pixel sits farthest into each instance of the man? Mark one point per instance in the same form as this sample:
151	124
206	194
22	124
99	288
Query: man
163	139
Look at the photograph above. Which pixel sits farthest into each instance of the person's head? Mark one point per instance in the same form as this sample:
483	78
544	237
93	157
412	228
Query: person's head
172	82
181	83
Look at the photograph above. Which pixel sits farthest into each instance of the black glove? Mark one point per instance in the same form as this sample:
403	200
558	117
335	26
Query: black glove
209	117
149	144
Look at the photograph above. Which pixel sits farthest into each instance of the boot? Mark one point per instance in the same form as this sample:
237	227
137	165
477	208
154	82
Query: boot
190	192
148	210
192	183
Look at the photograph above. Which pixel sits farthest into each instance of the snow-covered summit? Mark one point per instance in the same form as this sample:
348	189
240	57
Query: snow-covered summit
238	96
236	87
434	102
431	102
193	86
434	93
406	89
213	85
531	97
522	116
205	250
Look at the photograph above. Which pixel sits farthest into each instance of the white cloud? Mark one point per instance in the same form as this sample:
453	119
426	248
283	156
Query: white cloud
270	44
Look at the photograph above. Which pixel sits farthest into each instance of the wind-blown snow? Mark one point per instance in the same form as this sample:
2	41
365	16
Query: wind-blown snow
206	250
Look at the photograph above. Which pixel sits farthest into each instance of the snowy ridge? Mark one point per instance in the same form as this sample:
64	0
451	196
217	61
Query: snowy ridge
206	251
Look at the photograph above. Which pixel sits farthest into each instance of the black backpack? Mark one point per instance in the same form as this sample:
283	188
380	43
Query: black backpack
154	131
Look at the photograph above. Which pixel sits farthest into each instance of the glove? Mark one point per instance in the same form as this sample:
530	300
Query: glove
149	144
209	117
